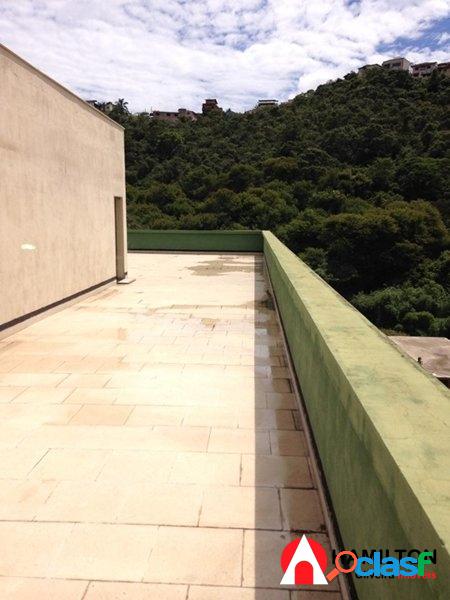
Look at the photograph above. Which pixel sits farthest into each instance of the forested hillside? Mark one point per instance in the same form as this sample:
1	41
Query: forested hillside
354	177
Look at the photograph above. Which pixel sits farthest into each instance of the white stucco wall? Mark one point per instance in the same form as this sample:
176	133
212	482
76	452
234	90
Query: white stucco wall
61	165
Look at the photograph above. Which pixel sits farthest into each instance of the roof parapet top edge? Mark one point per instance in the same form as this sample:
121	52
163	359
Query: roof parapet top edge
5	50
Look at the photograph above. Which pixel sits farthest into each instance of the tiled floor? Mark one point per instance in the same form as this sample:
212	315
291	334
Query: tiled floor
149	445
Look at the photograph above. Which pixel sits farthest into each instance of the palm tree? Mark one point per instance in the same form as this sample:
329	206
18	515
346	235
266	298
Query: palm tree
122	106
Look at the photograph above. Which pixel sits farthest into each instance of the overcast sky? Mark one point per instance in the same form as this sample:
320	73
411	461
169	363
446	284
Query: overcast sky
165	54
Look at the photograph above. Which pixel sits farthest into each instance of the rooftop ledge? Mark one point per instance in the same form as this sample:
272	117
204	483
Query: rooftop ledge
378	419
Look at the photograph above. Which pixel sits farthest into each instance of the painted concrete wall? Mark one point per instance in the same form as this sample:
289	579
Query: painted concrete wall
214	241
61	164
380	423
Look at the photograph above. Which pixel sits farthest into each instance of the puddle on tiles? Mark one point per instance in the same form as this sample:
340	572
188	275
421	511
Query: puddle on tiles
221	266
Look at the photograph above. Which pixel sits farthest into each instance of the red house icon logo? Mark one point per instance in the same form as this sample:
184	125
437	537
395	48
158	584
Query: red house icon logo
304	563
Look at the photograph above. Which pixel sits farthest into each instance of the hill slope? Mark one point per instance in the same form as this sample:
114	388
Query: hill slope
354	177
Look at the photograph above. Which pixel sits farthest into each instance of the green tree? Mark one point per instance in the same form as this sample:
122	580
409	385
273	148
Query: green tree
420	177
168	143
240	177
283	168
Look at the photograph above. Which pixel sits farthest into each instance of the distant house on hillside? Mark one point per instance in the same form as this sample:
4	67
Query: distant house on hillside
105	107
444	68
210	105
185	113
174	116
266	103
423	69
164	115
397	64
363	70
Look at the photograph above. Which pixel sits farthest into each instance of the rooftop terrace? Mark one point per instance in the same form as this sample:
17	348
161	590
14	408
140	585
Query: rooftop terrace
151	445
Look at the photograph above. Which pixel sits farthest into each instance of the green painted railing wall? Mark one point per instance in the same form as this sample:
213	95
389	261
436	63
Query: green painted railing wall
379	422
195	241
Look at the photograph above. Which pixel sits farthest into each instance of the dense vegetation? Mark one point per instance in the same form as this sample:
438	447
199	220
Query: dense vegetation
354	177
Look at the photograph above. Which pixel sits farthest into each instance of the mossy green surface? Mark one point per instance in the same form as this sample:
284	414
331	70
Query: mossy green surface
195	241
379	422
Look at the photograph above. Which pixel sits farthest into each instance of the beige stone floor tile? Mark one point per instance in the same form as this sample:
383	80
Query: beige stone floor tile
273	385
91	396
247	508
90	380
16	463
279	372
70	464
27	549
211	416
206	469
104	552
169	439
251	360
245	441
275	471
86	365
162	370
42	395
247	398
32	379
21	500
301	510
253	371
180	439
288	443
105	590
12	434
211	358
33	415
262	551
128	364
70	437
201	371
266	418
130	380
196	555
162	504
83	501
19	588
137	465
92	414
262	350
206	592
7	394
48	364
156	415
8	363
136	352
163	394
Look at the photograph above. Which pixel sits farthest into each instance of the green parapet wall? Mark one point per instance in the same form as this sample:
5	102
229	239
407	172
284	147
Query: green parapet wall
379	423
195	241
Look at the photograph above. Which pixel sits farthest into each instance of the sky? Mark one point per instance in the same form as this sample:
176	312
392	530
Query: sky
166	54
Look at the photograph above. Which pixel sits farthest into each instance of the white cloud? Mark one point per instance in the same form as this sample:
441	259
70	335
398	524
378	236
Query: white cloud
170	53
